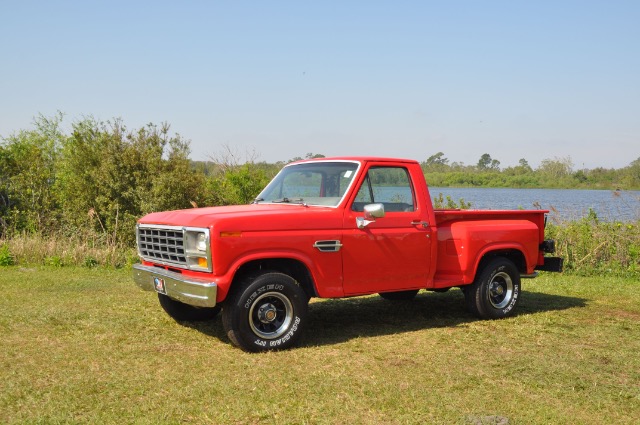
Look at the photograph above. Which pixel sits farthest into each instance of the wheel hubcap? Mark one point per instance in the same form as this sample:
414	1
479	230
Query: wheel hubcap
271	315
267	313
497	290
500	290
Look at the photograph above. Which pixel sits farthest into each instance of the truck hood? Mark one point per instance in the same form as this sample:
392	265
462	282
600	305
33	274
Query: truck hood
254	217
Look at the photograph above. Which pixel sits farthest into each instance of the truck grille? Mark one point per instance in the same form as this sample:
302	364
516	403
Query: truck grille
162	245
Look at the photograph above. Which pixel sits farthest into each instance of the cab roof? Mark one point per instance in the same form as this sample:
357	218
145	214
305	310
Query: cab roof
362	159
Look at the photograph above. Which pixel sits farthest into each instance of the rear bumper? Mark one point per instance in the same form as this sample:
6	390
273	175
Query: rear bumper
551	264
186	289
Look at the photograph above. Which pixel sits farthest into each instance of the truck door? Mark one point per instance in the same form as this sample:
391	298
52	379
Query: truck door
391	253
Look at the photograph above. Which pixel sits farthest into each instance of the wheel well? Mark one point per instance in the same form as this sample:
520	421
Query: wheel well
293	268
516	257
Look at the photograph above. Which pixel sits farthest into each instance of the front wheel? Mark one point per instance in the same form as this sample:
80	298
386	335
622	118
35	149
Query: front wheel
495	292
268	312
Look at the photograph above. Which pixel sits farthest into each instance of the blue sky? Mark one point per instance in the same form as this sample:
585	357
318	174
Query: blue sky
515	79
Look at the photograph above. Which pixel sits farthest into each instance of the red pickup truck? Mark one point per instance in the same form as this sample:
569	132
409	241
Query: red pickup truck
332	228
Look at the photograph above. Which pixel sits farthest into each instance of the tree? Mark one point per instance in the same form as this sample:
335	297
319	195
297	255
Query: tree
631	174
486	163
523	168
27	164
437	159
435	163
109	177
556	168
309	155
235	181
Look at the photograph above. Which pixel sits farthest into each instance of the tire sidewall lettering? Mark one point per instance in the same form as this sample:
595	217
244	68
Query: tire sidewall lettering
514	299
496	271
286	337
255	294
283	339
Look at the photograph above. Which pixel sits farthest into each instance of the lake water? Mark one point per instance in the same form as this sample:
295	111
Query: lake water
564	204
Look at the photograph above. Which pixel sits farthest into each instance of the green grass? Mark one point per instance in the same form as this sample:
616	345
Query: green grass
85	345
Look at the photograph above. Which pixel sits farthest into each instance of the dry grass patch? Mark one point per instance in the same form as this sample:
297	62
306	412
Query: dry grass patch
90	250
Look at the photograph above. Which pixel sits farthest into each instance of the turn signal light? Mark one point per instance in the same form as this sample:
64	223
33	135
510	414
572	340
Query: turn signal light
230	234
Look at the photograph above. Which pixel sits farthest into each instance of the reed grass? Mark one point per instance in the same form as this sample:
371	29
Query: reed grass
593	247
64	251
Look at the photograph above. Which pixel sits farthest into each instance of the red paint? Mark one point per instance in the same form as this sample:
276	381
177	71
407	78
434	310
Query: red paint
418	249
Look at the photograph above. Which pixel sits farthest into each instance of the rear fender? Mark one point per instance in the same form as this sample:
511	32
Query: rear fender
511	251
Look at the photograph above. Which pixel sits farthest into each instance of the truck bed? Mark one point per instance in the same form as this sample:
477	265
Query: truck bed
464	236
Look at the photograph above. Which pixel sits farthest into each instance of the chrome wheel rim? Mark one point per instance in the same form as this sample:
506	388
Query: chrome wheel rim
500	290
271	315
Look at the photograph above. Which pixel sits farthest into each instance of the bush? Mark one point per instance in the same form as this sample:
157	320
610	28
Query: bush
6	259
439	202
100	177
593	247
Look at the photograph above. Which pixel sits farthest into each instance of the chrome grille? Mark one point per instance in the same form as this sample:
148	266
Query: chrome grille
164	245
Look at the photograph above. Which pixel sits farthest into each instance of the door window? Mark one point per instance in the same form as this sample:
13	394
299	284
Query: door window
390	186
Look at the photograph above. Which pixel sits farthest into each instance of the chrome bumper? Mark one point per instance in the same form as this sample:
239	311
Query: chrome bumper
186	289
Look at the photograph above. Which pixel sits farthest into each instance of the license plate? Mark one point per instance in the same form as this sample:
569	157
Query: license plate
159	285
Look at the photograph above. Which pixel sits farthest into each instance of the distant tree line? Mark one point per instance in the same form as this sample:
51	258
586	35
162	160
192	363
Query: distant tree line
551	173
96	179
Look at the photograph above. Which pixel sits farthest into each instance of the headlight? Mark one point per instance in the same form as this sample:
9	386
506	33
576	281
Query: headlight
201	242
198	252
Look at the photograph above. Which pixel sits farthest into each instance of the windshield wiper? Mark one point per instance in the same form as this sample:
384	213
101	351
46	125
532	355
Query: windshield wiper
256	200
289	201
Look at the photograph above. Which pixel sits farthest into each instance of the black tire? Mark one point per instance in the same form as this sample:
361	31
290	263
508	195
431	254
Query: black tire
399	295
182	312
267	312
495	292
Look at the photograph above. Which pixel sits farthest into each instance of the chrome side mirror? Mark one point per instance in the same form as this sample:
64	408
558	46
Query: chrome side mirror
371	212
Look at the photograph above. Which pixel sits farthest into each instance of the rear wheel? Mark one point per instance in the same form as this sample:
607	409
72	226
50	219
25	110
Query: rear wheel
187	313
399	295
267	312
495	292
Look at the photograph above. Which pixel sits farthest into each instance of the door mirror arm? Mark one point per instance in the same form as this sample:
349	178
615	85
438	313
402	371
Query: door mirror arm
371	212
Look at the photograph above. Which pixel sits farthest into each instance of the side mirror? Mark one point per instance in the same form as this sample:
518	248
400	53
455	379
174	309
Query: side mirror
371	212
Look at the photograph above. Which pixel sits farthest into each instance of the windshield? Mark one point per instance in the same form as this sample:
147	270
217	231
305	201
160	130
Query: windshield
311	183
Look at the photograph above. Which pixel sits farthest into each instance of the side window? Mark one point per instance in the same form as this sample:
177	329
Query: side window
390	186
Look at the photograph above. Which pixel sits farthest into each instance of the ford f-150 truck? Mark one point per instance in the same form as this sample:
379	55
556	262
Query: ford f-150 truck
332	228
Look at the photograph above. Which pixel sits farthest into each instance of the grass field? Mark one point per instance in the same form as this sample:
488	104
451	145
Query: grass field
87	346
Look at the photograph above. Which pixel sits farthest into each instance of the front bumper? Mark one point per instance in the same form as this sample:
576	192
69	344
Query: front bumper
186	289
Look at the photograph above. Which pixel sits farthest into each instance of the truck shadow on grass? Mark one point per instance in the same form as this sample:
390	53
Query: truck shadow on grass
340	320
333	321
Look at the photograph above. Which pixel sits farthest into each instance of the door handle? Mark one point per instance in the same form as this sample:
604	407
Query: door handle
424	224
